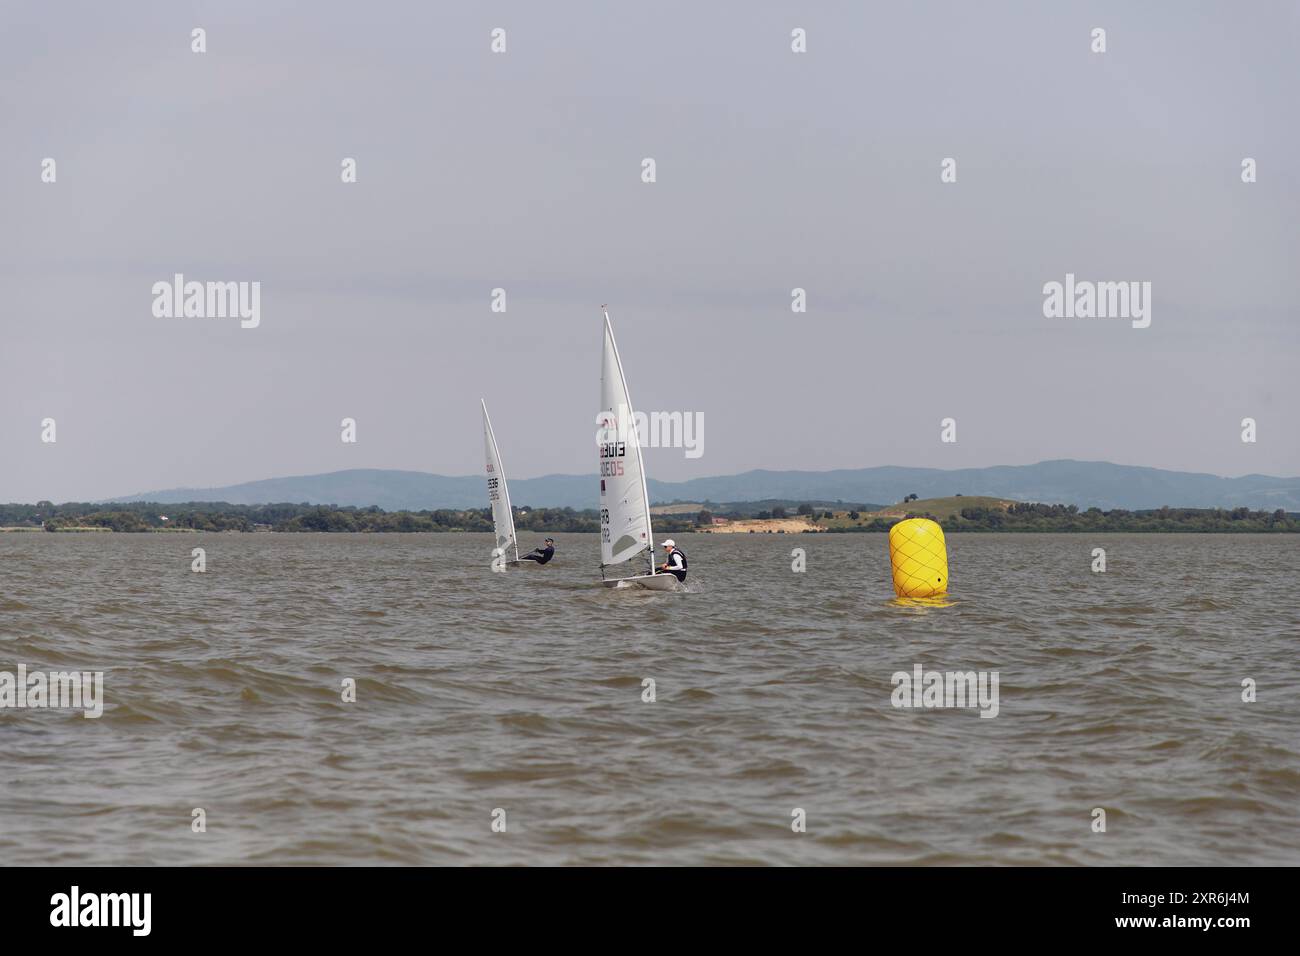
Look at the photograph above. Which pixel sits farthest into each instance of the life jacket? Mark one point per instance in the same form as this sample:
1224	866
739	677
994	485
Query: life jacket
679	572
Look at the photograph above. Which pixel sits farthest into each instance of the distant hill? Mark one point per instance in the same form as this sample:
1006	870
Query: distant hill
939	508
1083	483
387	489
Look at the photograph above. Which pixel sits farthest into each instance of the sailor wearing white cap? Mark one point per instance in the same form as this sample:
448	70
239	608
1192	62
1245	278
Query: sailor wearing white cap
676	561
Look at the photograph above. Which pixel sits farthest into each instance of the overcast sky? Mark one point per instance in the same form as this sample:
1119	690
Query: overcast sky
522	170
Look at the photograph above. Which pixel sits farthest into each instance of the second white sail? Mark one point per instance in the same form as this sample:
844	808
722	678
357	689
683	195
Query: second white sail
503	519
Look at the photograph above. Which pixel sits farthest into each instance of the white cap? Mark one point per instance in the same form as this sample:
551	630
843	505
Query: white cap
670	543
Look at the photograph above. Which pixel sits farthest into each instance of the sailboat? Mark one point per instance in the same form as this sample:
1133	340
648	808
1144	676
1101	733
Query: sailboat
503	520
625	531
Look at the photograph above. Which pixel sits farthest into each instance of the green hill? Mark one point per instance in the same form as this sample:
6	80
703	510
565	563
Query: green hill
939	508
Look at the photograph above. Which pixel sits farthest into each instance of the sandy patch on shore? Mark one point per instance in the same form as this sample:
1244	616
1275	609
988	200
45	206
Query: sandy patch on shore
797	525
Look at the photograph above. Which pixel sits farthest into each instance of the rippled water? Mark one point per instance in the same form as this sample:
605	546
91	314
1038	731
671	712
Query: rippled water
522	691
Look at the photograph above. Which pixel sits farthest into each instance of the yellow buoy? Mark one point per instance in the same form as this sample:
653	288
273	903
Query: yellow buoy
919	558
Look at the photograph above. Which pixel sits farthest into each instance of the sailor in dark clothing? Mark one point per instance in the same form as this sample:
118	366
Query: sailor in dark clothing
540	555
676	563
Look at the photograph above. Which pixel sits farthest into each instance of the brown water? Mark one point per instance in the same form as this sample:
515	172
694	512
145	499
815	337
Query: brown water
522	691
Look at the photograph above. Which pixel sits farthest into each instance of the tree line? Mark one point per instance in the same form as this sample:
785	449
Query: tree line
1068	518
131	517
134	517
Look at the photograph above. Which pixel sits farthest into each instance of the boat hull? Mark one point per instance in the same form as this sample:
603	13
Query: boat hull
648	582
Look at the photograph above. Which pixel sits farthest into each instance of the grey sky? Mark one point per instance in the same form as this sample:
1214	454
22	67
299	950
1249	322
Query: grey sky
522	170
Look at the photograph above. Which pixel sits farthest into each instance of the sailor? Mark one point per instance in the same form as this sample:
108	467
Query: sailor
676	561
541	555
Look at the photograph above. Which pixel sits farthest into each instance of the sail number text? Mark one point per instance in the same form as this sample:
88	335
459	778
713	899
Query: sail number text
610	450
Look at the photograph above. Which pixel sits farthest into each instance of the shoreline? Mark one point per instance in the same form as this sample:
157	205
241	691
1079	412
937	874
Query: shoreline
700	531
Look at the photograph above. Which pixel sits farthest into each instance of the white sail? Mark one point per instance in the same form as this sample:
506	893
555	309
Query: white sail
624	505
503	520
